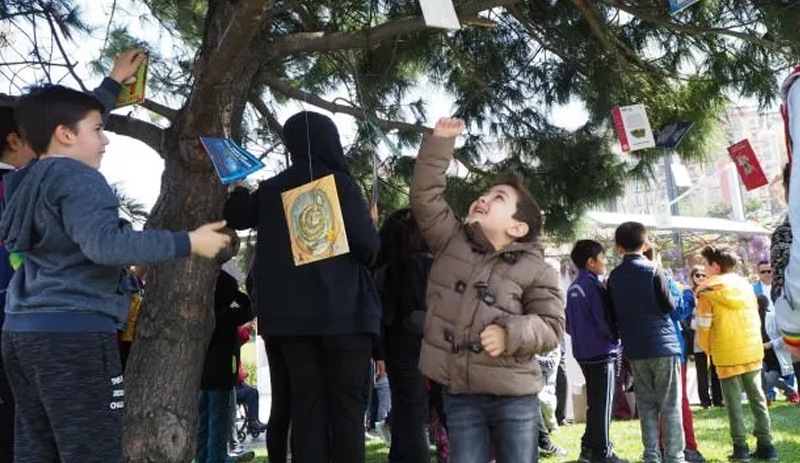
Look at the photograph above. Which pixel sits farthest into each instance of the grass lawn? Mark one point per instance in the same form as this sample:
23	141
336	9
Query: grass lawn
711	428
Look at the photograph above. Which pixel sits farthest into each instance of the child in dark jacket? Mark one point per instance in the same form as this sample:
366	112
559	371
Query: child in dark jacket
642	304
220	373
596	347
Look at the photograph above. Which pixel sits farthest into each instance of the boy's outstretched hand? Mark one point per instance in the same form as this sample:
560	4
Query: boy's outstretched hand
126	64
493	340
207	241
447	127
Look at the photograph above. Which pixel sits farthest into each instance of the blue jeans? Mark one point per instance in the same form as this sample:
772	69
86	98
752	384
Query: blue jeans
213	427
476	423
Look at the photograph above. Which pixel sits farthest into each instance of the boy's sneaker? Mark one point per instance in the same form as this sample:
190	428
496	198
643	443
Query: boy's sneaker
693	456
550	450
794	398
612	459
765	452
740	453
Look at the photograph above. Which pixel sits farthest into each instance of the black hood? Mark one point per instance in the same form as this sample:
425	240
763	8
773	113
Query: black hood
320	131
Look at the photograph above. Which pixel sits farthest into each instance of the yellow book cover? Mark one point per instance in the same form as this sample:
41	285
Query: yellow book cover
314	217
133	90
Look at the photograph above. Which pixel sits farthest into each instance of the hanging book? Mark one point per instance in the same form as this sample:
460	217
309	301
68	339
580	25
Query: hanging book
633	128
676	6
132	91
314	217
672	135
231	161
440	14
747	164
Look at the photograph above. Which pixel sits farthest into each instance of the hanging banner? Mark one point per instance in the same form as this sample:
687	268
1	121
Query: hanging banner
747	164
440	14
231	161
314	217
672	135
676	6
633	128
132	91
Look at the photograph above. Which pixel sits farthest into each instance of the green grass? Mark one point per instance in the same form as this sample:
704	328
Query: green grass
711	429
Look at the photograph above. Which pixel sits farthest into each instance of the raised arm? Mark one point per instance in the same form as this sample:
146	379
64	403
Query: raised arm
435	218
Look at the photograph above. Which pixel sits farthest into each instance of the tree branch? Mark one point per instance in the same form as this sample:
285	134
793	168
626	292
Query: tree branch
385	124
245	24
160	109
298	94
272	122
70	66
326	41
694	30
147	133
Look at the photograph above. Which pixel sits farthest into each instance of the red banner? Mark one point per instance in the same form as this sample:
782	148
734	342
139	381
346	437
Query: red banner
747	164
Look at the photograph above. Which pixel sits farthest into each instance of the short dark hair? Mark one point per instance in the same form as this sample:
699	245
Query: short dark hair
585	250
43	109
630	236
763	262
528	210
724	257
7	126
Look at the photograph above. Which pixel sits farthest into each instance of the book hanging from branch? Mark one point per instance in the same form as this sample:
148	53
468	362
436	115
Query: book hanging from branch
314	218
633	128
440	14
133	89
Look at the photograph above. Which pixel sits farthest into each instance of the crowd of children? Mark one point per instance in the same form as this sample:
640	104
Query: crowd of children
468	315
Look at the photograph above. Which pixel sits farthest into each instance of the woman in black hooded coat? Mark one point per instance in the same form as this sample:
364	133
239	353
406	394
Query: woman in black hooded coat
322	316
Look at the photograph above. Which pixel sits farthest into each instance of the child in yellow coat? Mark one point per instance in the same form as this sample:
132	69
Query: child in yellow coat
729	330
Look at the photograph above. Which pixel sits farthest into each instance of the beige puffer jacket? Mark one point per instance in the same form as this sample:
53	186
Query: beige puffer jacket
471	286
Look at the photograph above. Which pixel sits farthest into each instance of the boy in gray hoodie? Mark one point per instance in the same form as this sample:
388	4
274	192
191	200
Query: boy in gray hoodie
66	300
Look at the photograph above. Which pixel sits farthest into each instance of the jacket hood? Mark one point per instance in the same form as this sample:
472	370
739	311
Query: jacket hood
730	290
312	134
17	227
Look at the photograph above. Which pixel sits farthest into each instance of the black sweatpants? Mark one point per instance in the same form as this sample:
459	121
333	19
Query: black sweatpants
330	381
601	379
280	414
409	398
69	396
6	417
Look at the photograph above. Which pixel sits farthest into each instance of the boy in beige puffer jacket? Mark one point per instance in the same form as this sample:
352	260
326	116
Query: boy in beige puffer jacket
493	304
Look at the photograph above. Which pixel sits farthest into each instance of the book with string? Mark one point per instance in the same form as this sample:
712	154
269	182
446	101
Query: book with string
676	6
133	89
231	161
315	222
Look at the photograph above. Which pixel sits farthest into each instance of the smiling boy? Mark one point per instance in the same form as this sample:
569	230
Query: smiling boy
493	304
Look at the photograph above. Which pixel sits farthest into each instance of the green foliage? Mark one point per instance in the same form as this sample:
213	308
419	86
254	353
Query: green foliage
505	81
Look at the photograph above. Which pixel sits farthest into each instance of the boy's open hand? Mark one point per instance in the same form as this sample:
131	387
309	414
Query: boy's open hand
447	127
126	64
493	340
207	241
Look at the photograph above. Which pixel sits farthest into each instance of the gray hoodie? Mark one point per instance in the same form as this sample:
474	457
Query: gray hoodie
62	217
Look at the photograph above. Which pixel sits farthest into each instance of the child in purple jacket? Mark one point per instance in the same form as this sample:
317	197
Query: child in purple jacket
596	347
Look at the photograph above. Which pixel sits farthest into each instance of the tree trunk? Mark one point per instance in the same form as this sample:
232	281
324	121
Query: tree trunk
177	318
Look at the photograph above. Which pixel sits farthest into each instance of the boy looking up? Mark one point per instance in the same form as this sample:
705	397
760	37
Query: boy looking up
65	303
493	304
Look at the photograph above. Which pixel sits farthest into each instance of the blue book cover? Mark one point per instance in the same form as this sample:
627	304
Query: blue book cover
231	161
678	5
672	134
